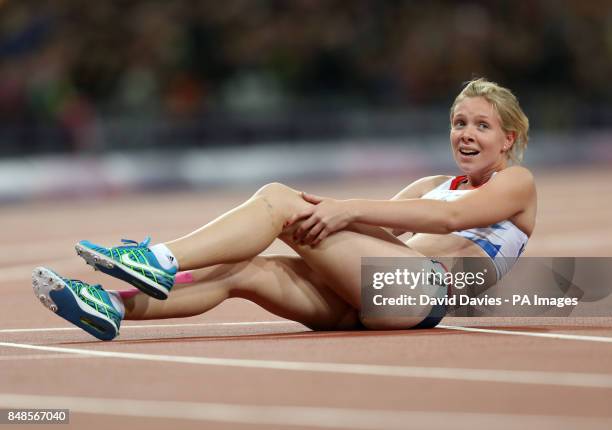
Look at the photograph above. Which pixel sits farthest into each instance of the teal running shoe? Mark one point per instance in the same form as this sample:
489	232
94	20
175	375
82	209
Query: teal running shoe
86	306
133	263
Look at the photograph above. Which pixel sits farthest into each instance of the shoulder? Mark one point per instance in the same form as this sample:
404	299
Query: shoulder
421	187
515	177
514	183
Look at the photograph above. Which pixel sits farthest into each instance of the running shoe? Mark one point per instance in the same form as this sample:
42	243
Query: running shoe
86	306
133	263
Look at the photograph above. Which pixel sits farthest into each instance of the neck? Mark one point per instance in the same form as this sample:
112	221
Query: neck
482	177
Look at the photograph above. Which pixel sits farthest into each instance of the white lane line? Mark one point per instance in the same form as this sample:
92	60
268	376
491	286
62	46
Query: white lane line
565	379
604	339
215	324
303	416
563	336
38	357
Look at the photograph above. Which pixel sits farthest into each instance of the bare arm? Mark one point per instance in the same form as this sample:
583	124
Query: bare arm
507	194
416	190
504	196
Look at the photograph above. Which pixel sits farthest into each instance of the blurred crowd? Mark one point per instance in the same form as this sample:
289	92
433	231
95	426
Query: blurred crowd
72	71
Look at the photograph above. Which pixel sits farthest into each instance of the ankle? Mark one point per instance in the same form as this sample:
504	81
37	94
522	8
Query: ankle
184	277
165	256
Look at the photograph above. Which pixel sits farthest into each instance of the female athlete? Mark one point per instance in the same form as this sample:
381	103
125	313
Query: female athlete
489	211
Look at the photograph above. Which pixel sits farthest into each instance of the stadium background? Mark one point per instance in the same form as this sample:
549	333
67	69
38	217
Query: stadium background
128	95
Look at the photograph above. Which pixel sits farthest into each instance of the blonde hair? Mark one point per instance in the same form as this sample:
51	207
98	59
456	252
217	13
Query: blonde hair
512	117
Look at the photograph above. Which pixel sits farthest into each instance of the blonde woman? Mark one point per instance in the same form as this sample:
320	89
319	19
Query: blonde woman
489	211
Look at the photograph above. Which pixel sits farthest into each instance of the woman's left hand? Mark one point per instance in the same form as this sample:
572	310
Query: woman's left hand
324	218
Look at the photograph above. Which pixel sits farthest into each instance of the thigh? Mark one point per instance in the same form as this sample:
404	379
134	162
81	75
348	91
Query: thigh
337	259
375	231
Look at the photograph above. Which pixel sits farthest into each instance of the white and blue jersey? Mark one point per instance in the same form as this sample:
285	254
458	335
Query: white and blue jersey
503	241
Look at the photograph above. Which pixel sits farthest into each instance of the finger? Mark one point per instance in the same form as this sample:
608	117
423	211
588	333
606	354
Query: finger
296	217
301	231
313	233
324	233
311	198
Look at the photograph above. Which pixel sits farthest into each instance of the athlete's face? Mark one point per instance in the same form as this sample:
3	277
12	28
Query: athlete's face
478	141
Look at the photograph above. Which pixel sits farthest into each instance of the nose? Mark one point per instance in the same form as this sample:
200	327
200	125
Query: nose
466	135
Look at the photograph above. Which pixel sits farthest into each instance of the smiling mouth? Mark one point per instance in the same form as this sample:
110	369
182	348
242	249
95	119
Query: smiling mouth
469	152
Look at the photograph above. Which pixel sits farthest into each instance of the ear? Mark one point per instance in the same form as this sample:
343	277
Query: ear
509	141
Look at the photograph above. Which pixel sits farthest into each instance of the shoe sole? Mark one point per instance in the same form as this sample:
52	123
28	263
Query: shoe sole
56	296
109	266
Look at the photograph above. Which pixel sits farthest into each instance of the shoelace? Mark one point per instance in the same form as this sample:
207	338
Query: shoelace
143	244
80	283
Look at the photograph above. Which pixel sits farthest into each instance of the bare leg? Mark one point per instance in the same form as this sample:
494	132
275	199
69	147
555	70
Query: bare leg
246	231
241	233
283	285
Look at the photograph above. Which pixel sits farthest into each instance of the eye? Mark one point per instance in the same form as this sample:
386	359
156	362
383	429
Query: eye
458	123
483	125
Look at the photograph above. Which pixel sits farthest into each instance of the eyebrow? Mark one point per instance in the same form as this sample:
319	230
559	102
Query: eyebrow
477	116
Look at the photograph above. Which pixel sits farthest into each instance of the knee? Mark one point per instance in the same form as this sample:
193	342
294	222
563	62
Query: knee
274	190
281	198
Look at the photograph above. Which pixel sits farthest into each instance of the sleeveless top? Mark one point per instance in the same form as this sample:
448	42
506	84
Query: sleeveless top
503	241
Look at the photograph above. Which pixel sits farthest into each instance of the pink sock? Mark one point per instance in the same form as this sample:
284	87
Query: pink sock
183	278
180	278
127	294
